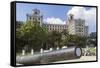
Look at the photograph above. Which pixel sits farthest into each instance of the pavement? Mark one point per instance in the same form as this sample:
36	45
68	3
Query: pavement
83	58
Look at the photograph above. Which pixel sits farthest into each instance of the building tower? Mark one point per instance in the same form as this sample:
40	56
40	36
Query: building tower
35	16
77	26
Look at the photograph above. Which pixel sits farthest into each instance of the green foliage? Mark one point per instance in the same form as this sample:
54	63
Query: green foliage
32	34
54	39
92	41
92	50
76	40
19	24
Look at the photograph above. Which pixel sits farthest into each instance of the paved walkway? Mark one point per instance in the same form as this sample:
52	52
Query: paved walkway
83	58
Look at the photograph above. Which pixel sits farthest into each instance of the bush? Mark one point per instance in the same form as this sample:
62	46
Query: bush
89	52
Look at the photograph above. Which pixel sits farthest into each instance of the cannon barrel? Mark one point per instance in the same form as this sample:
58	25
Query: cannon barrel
52	56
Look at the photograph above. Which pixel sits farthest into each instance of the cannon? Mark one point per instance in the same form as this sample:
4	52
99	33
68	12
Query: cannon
52	56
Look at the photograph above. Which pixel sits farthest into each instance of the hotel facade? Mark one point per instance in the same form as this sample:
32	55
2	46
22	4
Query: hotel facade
76	26
72	26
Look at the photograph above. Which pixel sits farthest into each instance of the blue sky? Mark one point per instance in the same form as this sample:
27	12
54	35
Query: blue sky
57	12
47	10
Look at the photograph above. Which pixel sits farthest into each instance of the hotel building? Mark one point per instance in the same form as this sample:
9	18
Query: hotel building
76	26
55	27
73	26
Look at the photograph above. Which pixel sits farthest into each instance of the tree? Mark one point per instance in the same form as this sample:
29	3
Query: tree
32	35
65	32
19	24
54	39
92	41
73	40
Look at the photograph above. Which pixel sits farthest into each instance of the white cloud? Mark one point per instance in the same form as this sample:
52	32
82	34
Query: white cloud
78	12
89	16
53	20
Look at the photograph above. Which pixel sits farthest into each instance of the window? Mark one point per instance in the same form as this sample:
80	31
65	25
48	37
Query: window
30	18
79	29
38	18
50	28
36	13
